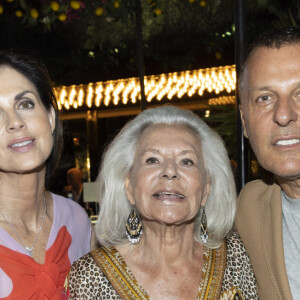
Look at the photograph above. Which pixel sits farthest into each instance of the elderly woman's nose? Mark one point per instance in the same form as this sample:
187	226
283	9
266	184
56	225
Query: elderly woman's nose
14	122
169	170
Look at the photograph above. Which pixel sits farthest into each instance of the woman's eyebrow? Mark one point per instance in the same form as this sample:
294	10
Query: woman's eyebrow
20	95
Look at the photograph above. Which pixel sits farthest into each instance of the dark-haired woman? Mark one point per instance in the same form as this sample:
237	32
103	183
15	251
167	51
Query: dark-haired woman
41	234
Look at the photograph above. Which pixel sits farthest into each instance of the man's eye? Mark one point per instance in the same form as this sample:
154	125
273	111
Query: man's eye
187	162
151	160
26	104
264	98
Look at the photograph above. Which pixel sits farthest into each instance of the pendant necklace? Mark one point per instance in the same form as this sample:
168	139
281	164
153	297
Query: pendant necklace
27	248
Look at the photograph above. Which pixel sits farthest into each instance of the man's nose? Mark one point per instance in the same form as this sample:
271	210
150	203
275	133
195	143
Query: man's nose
285	112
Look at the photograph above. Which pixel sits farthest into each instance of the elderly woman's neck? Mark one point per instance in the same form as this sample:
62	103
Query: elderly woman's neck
168	242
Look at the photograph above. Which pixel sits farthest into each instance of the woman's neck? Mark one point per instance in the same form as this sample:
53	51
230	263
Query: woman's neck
21	194
168	243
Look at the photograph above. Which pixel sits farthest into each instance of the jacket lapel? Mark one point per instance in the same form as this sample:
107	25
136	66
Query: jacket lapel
273	241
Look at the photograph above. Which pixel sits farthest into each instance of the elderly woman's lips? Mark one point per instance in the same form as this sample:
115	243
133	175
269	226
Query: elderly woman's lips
167	195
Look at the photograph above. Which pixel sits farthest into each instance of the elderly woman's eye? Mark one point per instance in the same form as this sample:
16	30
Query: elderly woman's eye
26	104
151	160
187	162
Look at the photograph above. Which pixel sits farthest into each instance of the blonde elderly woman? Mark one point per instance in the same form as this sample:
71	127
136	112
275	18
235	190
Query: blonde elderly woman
168	201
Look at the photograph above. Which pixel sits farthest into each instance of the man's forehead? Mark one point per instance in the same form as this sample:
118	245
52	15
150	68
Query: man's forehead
271	61
261	52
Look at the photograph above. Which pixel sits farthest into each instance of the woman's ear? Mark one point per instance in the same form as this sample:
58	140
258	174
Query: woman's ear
128	190
205	193
51	118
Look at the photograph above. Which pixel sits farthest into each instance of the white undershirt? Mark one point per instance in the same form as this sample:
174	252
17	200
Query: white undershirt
291	241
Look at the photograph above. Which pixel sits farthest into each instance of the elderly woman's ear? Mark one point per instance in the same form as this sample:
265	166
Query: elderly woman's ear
128	190
205	192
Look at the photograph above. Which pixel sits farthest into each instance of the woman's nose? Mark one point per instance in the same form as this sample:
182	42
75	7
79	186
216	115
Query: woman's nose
14	122
169	171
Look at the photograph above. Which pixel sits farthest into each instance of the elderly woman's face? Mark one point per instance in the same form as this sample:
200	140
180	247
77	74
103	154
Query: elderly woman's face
25	125
168	181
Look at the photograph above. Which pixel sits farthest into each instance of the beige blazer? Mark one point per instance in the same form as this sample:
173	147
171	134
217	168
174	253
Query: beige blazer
259	223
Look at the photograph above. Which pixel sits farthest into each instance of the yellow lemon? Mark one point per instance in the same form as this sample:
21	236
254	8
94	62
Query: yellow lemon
54	6
34	13
75	4
62	17
116	4
1	9
191	1
19	14
99	11
157	11
218	55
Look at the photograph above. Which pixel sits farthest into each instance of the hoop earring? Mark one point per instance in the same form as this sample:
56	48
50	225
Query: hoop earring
203	234
134	228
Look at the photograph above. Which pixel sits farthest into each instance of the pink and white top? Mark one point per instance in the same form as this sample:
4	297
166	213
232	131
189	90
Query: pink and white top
69	239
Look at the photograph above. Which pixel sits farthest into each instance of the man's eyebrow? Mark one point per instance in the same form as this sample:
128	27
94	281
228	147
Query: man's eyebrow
261	88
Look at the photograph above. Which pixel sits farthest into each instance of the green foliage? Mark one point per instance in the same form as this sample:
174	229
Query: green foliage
97	41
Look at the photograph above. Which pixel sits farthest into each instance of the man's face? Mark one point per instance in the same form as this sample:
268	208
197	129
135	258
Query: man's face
271	106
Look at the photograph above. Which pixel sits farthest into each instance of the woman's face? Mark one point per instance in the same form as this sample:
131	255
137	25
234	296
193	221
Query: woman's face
25	125
168	181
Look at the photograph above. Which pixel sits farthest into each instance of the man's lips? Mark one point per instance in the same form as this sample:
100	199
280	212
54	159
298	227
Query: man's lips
168	195
286	141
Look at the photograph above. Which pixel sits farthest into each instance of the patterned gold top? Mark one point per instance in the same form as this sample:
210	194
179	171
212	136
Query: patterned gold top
103	274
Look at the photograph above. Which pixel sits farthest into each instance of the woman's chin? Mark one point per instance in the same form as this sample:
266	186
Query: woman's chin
25	169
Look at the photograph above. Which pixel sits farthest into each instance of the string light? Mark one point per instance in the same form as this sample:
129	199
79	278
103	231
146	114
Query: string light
223	100
170	85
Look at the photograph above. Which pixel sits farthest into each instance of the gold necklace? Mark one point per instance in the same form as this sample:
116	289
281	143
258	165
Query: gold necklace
27	248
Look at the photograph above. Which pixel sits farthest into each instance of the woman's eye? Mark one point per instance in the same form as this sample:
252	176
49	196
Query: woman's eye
297	94
26	104
187	162
151	160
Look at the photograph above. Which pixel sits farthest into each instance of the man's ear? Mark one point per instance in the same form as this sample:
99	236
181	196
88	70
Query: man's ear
243	121
128	190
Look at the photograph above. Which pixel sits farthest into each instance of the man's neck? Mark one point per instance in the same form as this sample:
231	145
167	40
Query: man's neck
291	187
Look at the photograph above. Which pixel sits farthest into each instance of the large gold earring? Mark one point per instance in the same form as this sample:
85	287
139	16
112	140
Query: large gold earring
134	228
203	234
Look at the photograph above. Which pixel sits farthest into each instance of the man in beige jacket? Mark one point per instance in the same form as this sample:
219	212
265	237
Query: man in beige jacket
268	216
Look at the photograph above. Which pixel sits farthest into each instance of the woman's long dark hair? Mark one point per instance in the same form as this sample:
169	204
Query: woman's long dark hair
36	72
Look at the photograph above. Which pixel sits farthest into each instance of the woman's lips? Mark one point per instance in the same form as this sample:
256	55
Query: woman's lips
168	196
21	145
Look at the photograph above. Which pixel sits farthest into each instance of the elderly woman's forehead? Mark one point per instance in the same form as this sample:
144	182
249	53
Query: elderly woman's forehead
159	126
159	129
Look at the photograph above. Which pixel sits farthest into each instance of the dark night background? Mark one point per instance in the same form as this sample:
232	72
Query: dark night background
177	35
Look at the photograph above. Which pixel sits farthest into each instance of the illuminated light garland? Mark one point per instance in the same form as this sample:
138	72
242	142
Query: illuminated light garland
223	100
177	84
